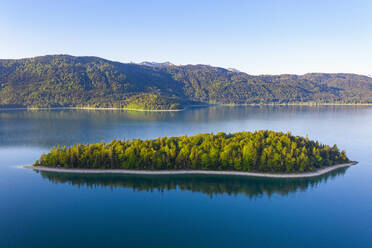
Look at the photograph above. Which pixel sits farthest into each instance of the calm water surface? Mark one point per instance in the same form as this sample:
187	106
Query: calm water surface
72	210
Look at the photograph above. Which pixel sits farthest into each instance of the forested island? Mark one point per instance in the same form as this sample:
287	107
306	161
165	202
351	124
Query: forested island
260	151
92	82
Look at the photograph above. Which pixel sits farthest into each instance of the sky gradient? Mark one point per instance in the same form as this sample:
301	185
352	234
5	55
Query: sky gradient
257	37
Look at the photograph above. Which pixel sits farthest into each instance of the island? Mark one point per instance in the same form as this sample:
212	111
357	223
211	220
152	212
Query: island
64	81
259	153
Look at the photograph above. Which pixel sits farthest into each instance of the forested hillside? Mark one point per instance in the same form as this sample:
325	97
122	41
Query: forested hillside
68	81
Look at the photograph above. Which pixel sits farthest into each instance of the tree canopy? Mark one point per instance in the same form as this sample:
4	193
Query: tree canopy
259	151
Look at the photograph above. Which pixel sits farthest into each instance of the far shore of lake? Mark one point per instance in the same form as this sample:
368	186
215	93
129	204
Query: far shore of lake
202	172
92	108
312	104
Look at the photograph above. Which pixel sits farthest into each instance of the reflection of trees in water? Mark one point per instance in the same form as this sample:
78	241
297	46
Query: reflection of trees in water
52	127
88	114
207	184
211	113
278	112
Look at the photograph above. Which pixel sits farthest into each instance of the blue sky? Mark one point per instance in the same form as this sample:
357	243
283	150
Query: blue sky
257	37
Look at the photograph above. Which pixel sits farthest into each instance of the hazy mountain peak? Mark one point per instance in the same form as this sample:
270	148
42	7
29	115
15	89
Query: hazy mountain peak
233	70
152	63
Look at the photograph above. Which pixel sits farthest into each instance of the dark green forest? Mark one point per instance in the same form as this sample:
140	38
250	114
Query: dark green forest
259	151
68	81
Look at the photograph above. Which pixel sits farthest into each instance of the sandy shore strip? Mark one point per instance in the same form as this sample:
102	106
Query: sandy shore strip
92	108
312	104
201	172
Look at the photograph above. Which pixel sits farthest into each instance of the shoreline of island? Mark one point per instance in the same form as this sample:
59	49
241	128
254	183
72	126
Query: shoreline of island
192	172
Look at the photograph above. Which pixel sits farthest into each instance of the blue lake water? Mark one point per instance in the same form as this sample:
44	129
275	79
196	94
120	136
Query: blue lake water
73	210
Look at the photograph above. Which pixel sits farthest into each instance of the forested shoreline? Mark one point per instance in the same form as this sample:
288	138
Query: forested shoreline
259	151
90	82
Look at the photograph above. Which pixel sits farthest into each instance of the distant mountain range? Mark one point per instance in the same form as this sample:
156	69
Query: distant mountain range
68	81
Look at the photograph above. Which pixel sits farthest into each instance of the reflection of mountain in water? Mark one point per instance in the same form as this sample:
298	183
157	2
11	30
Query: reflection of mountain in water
207	184
48	128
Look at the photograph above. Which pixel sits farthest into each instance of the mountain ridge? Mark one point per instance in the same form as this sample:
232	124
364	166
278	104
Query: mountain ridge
88	81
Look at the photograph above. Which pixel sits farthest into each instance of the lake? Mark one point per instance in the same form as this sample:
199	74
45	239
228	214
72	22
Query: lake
74	210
